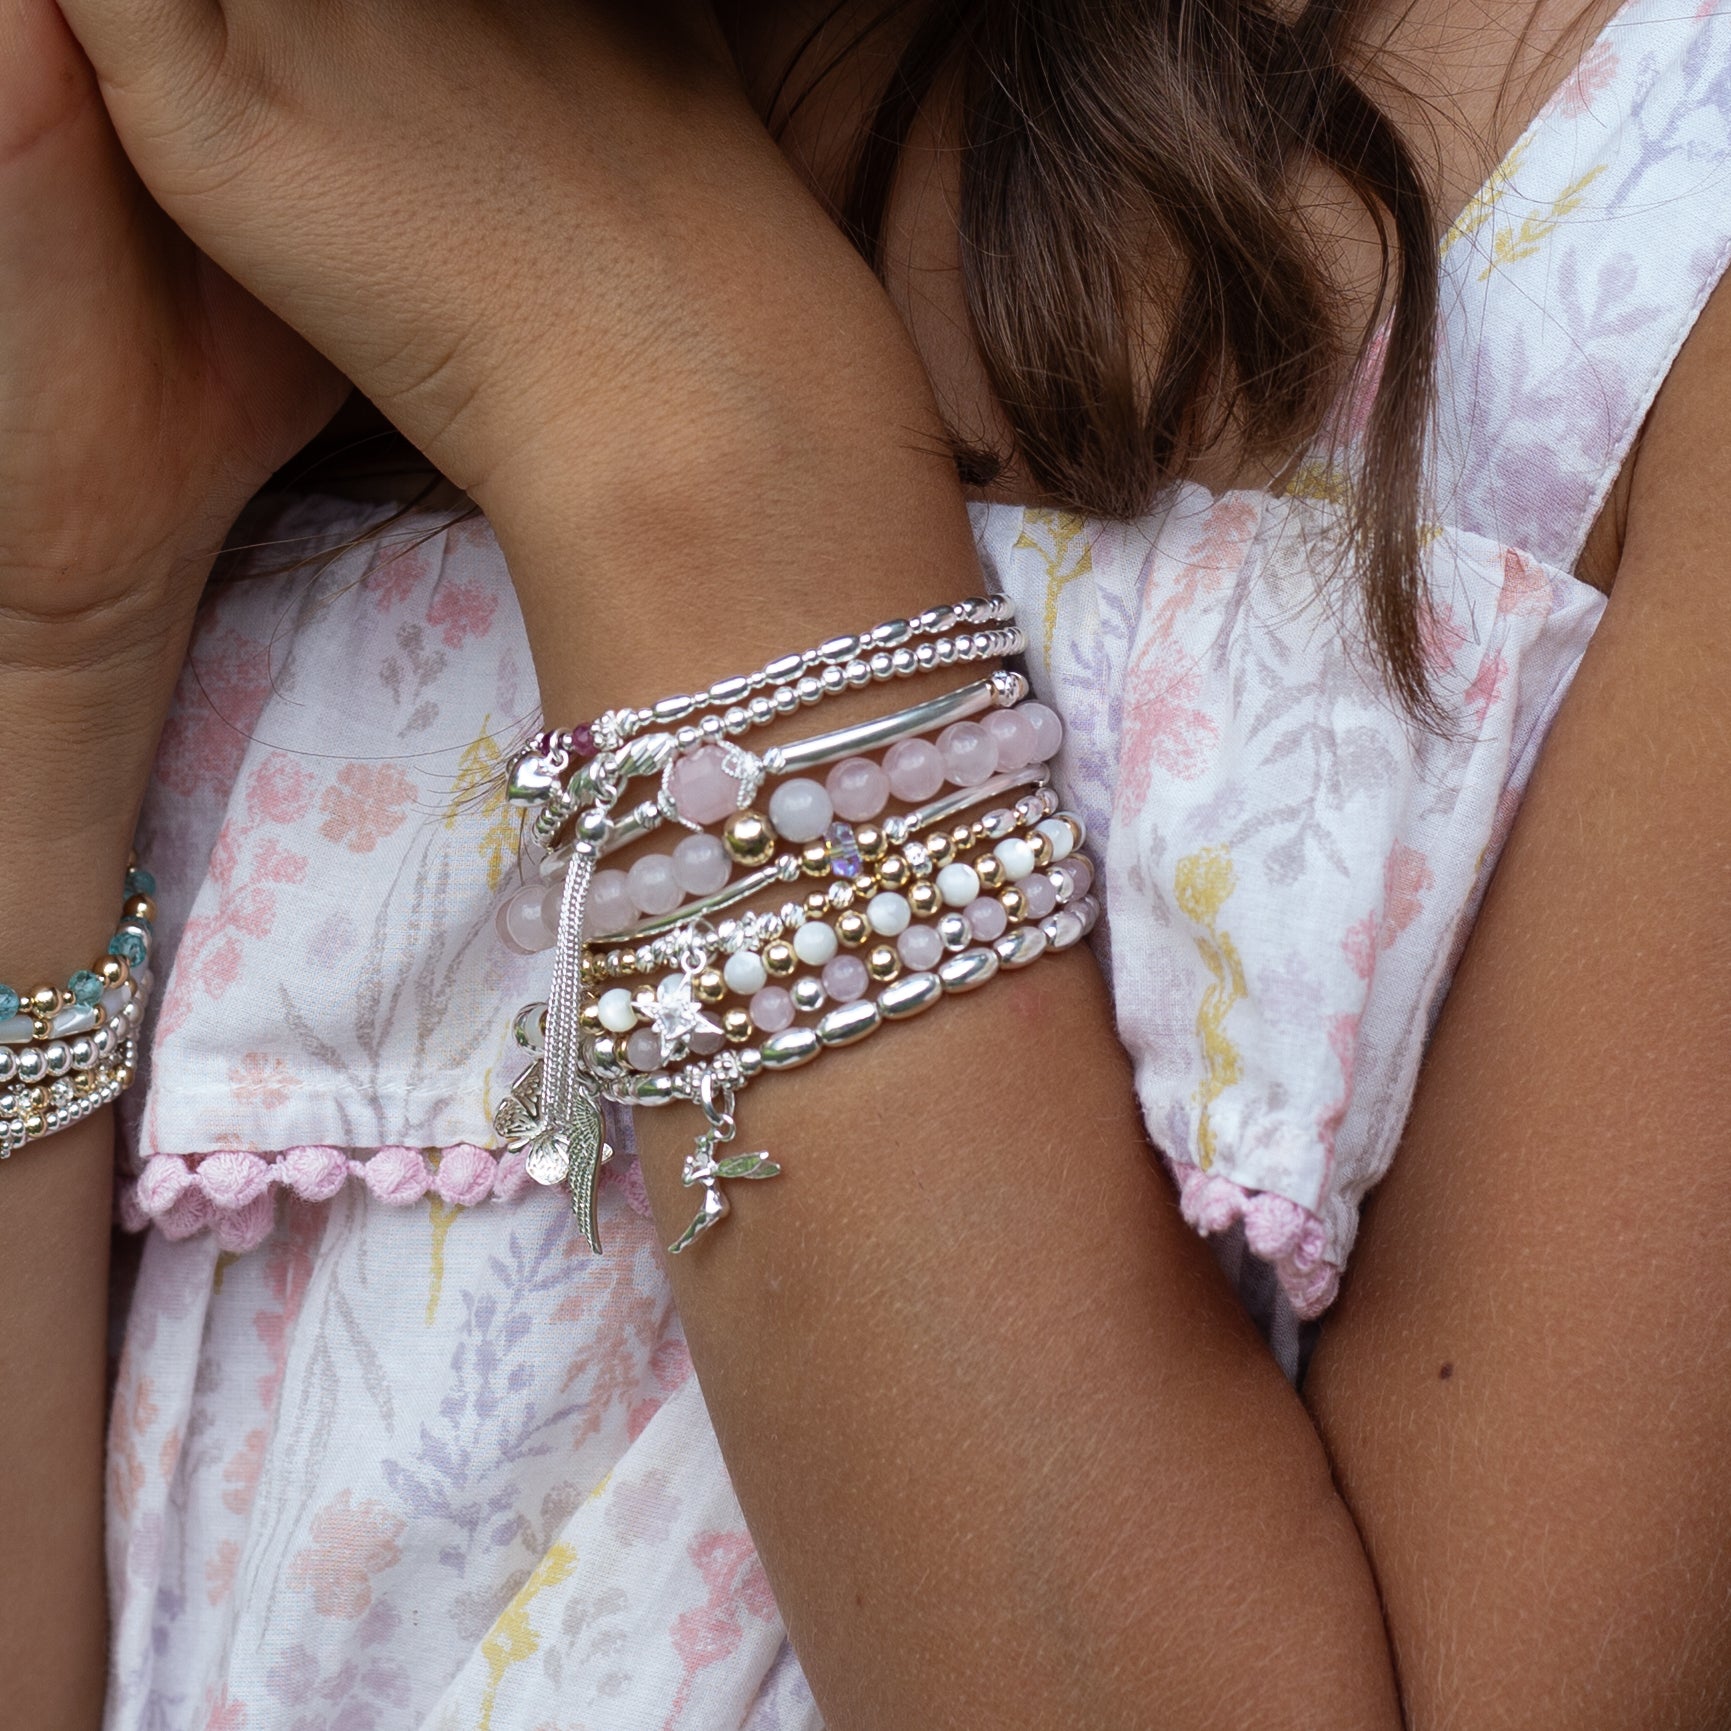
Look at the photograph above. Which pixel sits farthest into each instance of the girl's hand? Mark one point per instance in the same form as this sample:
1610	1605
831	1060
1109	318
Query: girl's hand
143	395
444	196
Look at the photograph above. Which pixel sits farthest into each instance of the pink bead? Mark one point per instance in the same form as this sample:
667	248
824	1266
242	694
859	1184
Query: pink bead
643	1050
845	978
610	907
986	918
970	757
528	920
1012	735
702	788
915	768
1048	730
772	1009
701	865
858	789
654	885
920	948
1042	897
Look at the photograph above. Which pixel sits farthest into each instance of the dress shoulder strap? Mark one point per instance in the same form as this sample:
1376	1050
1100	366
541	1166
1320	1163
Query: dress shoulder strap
1573	277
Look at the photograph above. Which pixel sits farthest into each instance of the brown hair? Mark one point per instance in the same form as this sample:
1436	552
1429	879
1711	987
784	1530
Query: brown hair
1106	145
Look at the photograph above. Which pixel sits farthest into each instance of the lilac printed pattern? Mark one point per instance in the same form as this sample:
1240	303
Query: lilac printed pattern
389	1449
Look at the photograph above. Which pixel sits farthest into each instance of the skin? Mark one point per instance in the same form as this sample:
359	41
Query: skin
1039	1423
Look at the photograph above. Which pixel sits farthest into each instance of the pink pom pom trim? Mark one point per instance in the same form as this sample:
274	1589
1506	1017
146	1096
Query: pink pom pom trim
233	1194
1289	1238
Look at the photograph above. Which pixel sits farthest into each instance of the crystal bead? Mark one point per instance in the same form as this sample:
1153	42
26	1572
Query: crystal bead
129	946
139	882
8	1003
858	789
844	854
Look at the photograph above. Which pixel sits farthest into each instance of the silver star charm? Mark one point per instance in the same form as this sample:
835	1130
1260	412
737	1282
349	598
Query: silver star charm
676	1015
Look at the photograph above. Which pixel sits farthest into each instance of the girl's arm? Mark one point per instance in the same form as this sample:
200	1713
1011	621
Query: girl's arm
142	398
1527	1390
1013	1455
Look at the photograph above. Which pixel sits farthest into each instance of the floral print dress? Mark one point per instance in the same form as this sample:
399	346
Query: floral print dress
390	1448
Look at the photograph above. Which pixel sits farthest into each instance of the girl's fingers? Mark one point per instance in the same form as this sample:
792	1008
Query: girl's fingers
134	43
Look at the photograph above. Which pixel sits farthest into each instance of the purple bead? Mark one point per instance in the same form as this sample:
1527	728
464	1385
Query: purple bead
858	789
916	770
844	855
986	918
582	741
1080	872
653	886
920	947
970	757
643	1050
706	1042
610	907
845	978
700	864
1012	735
1048	729
1042	897
772	1009
702	788
800	809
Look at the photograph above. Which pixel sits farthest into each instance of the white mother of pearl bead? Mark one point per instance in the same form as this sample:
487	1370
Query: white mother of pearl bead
618	1016
888	913
958	884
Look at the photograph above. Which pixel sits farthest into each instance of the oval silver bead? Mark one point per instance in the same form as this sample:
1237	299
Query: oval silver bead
968	971
652	1090
791	1048
1062	929
891	632
783	667
725	691
1018	948
909	995
838	649
851	1022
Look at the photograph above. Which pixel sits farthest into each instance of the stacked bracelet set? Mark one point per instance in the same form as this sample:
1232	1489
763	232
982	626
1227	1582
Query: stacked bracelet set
930	856
67	1051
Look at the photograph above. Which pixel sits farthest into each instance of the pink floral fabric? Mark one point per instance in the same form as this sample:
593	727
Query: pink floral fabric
390	1450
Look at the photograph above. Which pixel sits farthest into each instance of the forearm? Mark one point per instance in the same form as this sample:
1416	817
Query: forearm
1011	1453
82	720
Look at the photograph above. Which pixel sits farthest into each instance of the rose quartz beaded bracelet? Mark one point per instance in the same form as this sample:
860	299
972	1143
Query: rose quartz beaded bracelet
929	900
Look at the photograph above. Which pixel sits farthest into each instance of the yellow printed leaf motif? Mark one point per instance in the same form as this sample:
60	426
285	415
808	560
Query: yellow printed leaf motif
1523	239
480	788
1062	530
512	1639
1482	206
1203	883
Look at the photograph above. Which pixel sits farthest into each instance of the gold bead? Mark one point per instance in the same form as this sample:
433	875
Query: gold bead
44	1001
589	1019
1014	903
942	849
139	908
1042	846
883	963
869	839
865	886
710	987
894	873
35	1124
779	960
112	971
126	1075
748	838
924	899
991	870
962	837
816	905
814	859
852	928
736	1025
